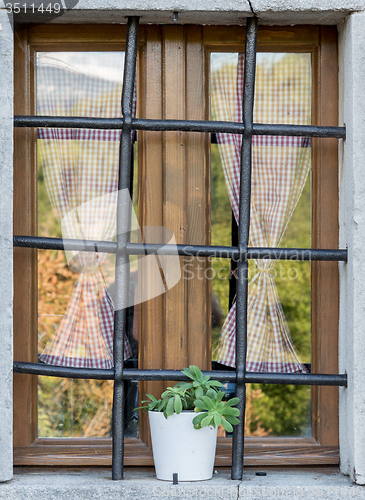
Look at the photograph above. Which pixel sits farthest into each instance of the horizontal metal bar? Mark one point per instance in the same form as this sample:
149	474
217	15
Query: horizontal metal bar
183	125
189	126
63	371
250	377
233	252
299	130
68	122
296	379
175	375
43	243
222	252
299	254
238	128
135	374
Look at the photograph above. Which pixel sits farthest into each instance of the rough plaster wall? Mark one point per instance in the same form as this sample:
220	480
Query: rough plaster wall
6	247
214	11
304	11
160	11
352	234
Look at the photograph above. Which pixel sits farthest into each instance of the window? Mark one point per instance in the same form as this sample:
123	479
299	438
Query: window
173	83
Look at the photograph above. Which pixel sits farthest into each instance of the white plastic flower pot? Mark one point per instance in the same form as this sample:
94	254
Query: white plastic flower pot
179	448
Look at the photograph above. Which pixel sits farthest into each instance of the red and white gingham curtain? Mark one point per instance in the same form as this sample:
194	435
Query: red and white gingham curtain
81	175
280	166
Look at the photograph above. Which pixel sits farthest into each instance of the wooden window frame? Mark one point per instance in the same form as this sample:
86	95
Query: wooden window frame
179	321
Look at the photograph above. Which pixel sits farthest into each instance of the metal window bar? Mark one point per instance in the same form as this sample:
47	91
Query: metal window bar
179	125
122	258
240	253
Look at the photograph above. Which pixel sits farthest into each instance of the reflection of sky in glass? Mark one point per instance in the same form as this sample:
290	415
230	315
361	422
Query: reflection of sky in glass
105	65
219	59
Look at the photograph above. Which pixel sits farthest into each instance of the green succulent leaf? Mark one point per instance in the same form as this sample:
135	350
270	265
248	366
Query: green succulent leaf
215	383
217	420
232	402
227	426
185	386
206	420
151	404
200	404
199	392
177	404
198	374
161	405
208	402
170	407
232	420
211	393
231	411
198	418
220	395
166	393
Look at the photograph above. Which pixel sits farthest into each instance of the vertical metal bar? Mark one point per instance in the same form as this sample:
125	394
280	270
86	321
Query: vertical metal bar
243	237
122	259
233	265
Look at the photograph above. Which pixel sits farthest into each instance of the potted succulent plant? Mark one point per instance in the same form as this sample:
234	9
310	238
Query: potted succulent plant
184	423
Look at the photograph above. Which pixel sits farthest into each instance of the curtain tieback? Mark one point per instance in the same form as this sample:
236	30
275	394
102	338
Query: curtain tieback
269	272
77	266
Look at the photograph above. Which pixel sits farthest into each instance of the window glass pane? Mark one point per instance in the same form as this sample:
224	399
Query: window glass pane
221	234
279	291
77	188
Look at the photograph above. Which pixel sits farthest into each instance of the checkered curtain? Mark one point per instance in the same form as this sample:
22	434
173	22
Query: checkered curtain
81	176
280	166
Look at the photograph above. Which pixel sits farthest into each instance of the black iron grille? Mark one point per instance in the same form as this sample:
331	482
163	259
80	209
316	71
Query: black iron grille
241	253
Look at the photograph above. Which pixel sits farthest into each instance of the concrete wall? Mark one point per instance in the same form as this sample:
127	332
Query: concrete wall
214	11
6	247
352	180
305	11
352	234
